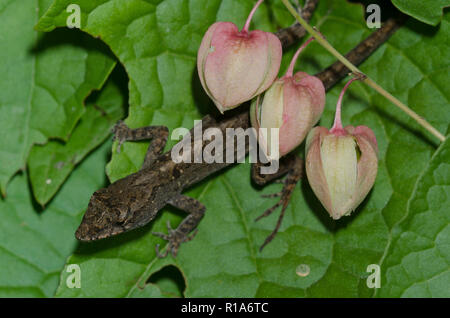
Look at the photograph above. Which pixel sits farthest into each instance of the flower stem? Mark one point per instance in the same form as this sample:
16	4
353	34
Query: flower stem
337	128
290	70
250	16
367	80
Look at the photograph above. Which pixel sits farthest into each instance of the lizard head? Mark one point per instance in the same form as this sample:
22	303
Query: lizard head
104	217
116	209
124	205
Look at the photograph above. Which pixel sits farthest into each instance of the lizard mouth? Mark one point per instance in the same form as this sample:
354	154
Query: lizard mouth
84	233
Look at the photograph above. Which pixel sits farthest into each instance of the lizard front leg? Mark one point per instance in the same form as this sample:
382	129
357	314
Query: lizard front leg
291	165
180	235
158	135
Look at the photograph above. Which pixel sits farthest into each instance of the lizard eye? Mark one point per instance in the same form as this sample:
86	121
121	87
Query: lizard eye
122	214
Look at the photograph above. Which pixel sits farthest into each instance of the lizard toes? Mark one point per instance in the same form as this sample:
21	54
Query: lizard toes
162	235
272	195
269	211
188	238
174	242
159	254
120	131
169	228
174	249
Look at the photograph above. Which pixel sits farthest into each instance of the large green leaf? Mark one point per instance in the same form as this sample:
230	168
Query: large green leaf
417	263
45	79
157	42
34	244
49	165
426	11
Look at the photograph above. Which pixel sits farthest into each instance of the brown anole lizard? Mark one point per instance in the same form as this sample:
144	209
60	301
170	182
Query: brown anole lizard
135	200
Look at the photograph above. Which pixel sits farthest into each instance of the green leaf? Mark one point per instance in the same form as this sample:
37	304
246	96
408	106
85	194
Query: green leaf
161	64
429	12
418	260
45	79
49	165
34	244
157	44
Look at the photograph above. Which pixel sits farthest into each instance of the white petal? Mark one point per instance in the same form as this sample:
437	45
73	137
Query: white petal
339	160
271	113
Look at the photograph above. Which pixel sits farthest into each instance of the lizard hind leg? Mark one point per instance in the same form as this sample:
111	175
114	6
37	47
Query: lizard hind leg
292	166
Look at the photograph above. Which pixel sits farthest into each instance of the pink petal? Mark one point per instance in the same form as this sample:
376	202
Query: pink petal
314	169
